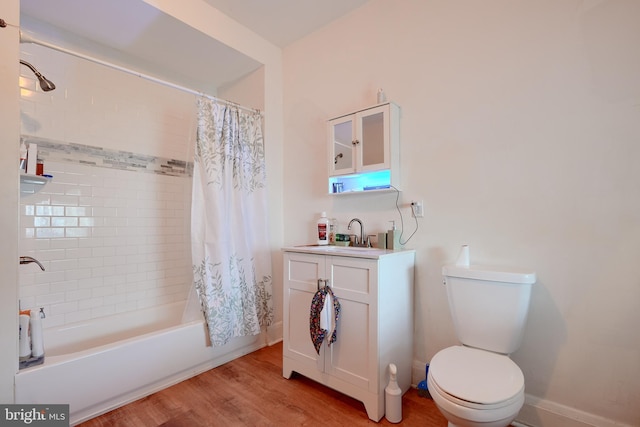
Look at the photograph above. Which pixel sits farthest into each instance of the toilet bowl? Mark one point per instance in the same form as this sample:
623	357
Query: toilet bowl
473	387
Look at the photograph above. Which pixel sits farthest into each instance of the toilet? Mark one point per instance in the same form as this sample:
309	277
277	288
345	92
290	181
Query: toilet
476	383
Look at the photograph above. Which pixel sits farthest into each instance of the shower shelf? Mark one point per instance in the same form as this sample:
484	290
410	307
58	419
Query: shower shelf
31	184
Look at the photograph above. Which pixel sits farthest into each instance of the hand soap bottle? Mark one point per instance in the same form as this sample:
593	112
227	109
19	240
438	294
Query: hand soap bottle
393	237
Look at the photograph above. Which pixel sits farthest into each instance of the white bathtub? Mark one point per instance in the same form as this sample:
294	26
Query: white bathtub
99	365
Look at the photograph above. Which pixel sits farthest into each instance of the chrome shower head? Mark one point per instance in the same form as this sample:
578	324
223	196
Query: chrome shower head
45	84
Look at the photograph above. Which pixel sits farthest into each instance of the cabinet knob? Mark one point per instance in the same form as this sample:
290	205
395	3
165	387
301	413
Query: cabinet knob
355	142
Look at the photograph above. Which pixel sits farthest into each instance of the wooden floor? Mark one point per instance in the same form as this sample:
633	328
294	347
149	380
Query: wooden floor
250	391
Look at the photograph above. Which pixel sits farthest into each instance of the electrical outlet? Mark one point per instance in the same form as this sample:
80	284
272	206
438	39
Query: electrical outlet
417	208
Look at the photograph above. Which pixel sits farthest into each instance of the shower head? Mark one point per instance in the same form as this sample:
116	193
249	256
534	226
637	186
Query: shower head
45	84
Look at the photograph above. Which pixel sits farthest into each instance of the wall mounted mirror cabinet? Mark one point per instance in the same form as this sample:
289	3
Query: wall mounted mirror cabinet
364	150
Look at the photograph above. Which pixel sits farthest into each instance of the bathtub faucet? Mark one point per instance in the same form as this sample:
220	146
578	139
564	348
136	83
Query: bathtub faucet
28	260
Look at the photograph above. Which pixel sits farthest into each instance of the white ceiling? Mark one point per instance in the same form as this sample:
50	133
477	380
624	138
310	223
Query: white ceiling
135	35
285	21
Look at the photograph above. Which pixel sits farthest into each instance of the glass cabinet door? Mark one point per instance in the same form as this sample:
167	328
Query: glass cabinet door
374	139
342	154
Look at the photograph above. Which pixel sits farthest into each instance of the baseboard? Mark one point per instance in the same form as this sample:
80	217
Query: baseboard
274	333
539	412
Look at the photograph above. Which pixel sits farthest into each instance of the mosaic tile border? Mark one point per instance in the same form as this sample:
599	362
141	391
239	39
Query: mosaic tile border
115	159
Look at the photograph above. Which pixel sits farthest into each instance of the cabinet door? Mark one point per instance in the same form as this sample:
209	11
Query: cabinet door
372	134
352	357
341	145
301	275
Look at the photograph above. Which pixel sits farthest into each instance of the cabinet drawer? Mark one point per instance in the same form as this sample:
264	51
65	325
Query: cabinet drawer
353	277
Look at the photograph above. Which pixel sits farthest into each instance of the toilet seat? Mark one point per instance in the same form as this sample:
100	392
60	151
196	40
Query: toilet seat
476	378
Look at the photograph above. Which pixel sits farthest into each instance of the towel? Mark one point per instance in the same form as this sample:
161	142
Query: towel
326	313
323	317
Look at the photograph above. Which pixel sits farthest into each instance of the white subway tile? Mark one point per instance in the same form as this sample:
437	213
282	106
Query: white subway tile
125	306
103	291
119	279
64	243
90	303
49	276
108	310
79	274
49	232
50	299
135	277
91	282
90	262
59	221
32	290
104	271
78	294
62	200
104	231
78	211
115	300
42	210
63	265
77	232
69	285
77	316
48	254
90	242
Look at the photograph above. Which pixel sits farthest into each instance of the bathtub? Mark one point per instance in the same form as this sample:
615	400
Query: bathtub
99	365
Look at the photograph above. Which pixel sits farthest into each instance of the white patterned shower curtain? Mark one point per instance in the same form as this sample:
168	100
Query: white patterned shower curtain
229	228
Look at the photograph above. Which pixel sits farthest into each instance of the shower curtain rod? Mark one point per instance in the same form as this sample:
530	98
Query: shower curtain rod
25	38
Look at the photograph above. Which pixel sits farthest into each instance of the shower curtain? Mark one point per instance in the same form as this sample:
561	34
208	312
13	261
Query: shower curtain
229	227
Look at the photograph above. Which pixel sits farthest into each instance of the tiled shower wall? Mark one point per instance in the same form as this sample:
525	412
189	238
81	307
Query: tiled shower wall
110	240
112	227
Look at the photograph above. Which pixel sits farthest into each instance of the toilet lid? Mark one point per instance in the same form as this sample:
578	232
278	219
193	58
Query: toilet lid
476	376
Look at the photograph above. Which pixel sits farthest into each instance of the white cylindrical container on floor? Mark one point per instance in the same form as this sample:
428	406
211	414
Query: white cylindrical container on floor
23	339
37	343
393	397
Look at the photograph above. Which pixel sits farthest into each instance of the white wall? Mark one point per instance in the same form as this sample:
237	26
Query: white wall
9	149
519	129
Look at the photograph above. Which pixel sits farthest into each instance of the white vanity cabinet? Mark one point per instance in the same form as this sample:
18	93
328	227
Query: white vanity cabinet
375	291
362	143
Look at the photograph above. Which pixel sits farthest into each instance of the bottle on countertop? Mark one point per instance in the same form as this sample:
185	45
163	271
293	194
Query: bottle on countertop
24	335
323	229
393	237
333	230
35	323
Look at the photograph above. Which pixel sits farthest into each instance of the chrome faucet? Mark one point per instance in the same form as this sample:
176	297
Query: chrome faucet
361	241
28	260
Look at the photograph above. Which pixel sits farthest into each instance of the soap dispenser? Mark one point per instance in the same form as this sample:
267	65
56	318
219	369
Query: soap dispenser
393	237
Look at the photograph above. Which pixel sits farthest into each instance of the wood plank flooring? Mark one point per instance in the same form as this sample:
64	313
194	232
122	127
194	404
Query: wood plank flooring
250	391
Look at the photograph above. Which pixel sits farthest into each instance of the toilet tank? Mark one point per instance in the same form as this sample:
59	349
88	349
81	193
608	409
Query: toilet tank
489	305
